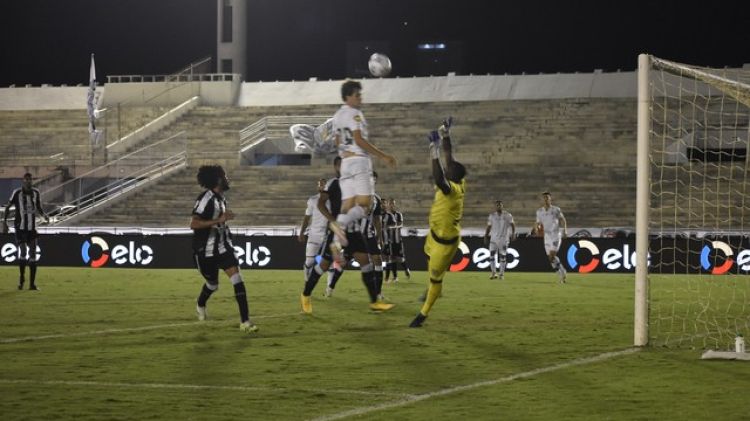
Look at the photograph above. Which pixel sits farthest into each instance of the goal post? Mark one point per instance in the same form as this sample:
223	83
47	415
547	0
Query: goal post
640	336
692	287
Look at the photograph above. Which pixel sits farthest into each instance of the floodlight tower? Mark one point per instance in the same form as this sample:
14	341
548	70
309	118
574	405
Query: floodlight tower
231	34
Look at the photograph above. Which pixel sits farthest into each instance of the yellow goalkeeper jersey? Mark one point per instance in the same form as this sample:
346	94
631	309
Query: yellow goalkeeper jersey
447	210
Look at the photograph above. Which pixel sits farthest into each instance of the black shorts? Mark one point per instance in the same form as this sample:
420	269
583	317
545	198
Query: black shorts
25	236
395	249
209	266
372	246
356	245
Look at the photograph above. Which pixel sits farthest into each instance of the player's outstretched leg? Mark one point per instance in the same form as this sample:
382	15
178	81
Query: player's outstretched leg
436	288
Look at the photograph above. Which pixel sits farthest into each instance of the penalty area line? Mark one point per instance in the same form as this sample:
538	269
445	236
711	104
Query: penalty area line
409	399
122	330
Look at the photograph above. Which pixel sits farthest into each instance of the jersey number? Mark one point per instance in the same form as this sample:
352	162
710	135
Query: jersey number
346	136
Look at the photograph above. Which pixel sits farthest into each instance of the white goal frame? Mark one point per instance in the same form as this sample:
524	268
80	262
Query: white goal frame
646	64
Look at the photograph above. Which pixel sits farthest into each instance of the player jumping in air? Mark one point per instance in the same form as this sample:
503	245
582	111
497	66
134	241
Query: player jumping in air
445	215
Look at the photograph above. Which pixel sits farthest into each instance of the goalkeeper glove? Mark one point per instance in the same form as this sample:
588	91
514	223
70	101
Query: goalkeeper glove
434	139
445	128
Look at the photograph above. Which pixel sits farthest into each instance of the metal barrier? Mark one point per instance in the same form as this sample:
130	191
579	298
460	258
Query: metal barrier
108	182
274	129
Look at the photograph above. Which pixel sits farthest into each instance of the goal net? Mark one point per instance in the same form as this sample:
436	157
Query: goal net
693	205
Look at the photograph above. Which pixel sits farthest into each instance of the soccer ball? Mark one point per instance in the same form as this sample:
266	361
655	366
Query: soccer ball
379	64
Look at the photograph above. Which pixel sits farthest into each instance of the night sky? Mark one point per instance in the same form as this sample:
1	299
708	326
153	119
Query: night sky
49	41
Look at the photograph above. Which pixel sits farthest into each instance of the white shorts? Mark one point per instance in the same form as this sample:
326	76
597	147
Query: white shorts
314	246
551	243
499	246
356	177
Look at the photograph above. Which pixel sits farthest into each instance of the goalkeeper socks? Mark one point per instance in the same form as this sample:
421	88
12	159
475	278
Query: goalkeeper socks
502	265
436	287
492	264
205	294
312	280
241	296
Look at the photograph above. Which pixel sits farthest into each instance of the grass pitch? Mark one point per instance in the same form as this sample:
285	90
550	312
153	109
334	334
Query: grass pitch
121	344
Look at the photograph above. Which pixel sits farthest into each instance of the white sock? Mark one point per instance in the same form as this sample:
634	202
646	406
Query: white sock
354	214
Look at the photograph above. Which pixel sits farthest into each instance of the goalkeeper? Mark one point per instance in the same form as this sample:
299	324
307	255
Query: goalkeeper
445	215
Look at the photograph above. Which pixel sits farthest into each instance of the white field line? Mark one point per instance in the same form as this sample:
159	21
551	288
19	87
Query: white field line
178	386
409	399
129	329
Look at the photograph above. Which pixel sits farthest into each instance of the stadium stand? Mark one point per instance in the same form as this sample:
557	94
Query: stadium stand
581	149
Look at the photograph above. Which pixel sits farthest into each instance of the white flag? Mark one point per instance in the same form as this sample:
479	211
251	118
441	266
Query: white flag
91	100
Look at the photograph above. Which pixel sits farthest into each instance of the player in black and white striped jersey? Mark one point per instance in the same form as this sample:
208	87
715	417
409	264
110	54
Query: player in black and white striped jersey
27	203
212	243
371	229
393	221
329	205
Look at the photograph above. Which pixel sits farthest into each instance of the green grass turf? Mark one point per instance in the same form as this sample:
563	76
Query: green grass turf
342	358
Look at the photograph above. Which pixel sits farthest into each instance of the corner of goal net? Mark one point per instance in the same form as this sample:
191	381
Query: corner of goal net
725	355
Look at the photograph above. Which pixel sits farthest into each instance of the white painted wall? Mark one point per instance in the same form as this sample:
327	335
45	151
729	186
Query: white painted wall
393	90
44	98
445	88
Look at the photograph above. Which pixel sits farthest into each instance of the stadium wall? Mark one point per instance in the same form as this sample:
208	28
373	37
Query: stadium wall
712	256
445	88
43	98
390	90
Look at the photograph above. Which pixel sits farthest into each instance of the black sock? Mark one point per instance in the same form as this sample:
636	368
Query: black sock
22	269
312	280
406	269
336	275
205	294
368	278
241	296
32	273
378	281
395	269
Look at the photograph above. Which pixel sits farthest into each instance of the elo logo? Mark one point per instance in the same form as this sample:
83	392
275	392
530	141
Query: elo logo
588	245
253	256
724	247
9	253
483	258
461	265
120	254
87	257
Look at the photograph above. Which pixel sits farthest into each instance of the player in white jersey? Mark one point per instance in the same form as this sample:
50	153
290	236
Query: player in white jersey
501	230
315	226
551	221
357	185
